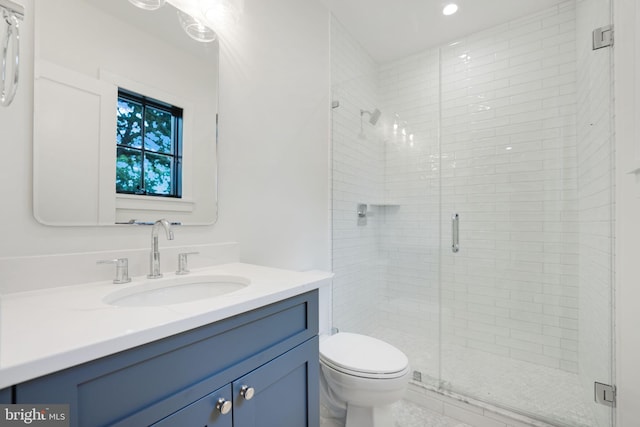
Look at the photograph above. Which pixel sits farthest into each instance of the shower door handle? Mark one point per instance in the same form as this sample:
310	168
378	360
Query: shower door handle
455	233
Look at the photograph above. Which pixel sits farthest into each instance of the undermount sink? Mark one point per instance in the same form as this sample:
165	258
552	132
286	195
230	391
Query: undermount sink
177	290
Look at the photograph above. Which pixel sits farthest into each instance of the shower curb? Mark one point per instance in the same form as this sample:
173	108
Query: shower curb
467	410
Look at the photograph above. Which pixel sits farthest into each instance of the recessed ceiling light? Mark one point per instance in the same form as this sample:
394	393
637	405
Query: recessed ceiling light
450	9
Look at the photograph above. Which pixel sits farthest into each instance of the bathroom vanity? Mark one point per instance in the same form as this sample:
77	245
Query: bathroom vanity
256	367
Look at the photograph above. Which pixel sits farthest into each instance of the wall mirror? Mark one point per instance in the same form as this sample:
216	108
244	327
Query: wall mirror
87	54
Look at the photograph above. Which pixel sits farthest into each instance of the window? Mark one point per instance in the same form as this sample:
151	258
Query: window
149	146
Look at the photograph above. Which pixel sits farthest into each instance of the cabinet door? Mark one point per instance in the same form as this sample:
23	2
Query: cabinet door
5	395
202	413
285	391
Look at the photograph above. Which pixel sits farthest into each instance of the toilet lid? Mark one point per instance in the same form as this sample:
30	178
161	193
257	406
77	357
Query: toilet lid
361	354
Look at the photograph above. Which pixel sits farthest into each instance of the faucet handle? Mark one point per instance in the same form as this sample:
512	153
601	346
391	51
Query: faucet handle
183	267
122	269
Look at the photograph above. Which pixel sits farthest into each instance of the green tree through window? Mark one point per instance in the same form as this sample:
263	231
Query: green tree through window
149	146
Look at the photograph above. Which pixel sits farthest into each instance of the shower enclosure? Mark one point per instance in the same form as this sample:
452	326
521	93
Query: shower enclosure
472	222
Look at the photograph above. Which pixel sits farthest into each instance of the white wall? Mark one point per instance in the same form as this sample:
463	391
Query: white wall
274	108
273	146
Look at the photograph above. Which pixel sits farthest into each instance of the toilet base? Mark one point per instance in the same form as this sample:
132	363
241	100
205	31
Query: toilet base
378	416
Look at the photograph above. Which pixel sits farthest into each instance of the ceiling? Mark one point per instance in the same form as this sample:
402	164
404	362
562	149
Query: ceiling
392	29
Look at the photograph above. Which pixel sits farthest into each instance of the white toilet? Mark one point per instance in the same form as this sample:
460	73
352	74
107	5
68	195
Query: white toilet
361	376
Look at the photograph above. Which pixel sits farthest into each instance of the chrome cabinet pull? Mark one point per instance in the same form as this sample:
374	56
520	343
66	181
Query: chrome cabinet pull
455	233
224	406
247	392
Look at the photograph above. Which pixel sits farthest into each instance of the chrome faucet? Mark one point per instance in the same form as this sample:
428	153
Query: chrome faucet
154	264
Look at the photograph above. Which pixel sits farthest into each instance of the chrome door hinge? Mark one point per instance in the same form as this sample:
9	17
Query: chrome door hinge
605	394
603	37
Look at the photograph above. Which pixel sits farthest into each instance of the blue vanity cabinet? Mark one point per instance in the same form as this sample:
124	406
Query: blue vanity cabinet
5	395
177	381
283	394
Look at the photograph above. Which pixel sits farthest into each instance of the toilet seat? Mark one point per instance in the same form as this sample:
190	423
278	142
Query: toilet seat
363	356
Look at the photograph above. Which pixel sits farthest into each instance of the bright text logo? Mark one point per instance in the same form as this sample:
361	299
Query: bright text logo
34	415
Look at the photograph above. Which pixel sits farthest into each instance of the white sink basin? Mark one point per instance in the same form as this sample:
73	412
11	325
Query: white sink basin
177	290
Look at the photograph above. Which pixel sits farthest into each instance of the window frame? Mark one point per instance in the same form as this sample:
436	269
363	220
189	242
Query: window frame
177	115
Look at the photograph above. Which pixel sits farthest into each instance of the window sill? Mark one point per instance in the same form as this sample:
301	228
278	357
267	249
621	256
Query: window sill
150	203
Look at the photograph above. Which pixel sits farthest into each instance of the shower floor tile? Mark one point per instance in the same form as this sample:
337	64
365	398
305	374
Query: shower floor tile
552	395
408	414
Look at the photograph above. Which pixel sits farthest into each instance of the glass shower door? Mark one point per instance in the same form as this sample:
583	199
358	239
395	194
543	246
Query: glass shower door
526	259
383	231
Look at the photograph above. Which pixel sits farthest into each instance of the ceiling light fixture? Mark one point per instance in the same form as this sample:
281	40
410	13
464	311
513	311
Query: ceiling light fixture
450	9
148	4
195	28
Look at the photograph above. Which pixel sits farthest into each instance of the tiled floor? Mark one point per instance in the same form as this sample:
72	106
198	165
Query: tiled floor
540	392
408	414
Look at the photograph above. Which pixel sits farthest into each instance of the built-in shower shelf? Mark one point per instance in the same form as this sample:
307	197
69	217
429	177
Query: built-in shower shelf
379	204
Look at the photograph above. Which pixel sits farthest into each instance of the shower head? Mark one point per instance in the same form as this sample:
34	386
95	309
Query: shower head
374	115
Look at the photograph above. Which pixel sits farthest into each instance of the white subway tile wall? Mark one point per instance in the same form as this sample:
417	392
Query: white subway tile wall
498	128
358	165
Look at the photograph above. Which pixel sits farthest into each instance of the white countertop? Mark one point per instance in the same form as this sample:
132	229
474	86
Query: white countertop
44	331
